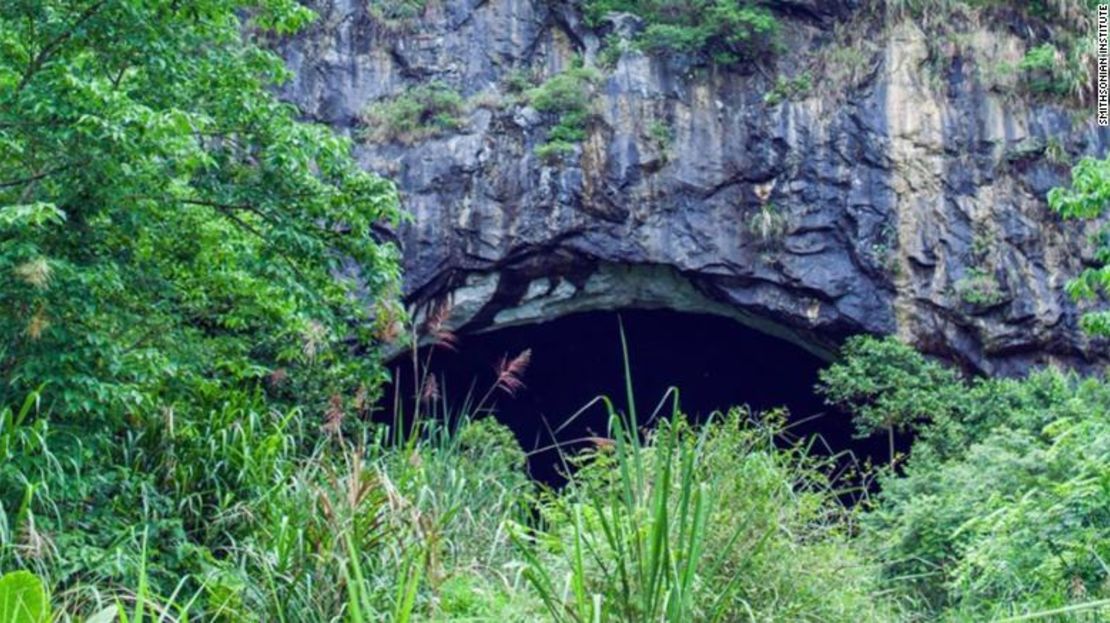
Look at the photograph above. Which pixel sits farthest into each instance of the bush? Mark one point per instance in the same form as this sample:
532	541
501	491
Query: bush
979	288
1002	506
395	12
719	31
417	114
566	95
785	89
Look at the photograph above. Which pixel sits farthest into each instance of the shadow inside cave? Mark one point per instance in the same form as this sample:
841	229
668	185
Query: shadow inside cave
715	362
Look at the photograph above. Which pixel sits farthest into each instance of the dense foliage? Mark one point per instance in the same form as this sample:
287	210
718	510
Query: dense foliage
1003	505
1087	198
192	297
170	229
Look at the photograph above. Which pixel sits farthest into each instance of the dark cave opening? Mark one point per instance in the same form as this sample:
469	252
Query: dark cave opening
715	362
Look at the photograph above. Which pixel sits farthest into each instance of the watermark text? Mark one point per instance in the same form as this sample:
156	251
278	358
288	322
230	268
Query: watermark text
1103	53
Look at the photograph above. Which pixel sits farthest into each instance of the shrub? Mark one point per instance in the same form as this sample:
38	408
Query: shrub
719	31
1042	69
395	12
1002	505
789	89
887	387
567	95
979	288
1087	198
417	114
769	224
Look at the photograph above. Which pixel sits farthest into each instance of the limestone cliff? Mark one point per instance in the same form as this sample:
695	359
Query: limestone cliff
898	194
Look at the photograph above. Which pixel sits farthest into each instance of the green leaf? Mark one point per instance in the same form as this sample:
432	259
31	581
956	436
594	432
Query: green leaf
23	599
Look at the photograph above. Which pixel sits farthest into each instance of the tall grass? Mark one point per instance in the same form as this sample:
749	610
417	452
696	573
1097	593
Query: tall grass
713	522
245	513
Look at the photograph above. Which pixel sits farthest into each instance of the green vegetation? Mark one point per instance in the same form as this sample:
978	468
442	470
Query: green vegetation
194	307
980	288
396	12
1087	198
1060	72
768	224
662	136
417	114
786	89
1058	61
23	598
679	527
719	31
170	231
567	95
1001	507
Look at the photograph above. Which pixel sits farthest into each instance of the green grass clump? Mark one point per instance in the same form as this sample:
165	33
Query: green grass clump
786	89
566	95
417	114
1049	70
980	288
699	524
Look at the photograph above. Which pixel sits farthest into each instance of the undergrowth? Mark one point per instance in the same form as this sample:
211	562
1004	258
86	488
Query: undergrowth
250	514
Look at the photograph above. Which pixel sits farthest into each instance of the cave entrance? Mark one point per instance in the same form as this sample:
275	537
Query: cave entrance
715	362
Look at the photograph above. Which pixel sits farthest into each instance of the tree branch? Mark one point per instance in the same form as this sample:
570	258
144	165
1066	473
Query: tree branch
44	54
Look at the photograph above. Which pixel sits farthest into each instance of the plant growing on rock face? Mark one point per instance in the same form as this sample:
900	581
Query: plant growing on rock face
419	113
768	224
1055	151
723	32
785	89
567	94
396	12
980	288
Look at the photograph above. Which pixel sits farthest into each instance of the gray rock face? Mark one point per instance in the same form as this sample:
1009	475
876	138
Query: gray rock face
889	199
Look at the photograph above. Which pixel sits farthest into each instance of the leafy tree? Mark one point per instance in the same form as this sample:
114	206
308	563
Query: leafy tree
169	229
1088	198
887	386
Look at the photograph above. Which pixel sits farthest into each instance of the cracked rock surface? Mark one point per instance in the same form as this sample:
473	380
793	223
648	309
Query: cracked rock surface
891	199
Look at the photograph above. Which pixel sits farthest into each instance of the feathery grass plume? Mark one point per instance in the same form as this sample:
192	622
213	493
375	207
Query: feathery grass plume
313	337
430	392
436	327
37	324
362	399
277	377
333	417
36	272
509	372
389	320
